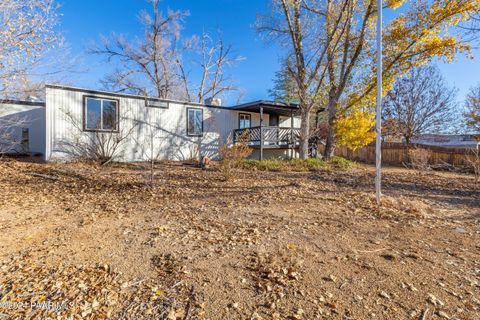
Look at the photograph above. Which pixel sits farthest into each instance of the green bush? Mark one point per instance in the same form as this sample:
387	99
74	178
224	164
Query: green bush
343	163
264	165
284	165
315	164
311	164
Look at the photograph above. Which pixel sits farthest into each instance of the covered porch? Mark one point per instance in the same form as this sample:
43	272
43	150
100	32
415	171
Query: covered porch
281	132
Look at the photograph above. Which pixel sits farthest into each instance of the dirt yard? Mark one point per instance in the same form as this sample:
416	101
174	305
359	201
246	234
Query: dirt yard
87	242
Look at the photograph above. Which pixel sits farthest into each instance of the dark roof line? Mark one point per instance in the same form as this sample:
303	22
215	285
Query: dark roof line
133	96
23	102
268	103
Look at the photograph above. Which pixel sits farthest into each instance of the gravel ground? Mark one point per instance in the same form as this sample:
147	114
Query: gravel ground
89	242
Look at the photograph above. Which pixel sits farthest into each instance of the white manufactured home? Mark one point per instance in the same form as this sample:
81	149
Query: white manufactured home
142	128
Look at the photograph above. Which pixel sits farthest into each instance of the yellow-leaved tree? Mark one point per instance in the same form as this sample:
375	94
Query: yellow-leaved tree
355	130
423	31
330	49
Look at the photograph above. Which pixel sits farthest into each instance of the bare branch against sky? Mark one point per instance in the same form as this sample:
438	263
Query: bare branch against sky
421	102
161	62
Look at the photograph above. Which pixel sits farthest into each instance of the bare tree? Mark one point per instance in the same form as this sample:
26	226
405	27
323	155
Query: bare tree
345	60
326	42
296	26
155	65
421	102
472	105
26	34
215	57
147	65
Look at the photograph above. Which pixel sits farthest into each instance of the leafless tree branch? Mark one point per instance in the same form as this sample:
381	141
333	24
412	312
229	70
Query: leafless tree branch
419	103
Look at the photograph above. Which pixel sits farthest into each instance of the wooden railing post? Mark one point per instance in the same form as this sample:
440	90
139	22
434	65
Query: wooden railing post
292	140
261	133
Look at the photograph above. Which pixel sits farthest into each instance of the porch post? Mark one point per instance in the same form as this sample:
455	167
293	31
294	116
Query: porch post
261	133
292	141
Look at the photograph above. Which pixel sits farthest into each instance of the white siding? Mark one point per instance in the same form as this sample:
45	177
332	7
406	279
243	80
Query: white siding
31	117
167	125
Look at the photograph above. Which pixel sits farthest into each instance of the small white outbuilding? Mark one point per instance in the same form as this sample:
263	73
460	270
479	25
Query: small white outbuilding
22	127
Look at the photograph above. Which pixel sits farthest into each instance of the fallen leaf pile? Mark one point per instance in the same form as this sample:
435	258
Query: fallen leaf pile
32	290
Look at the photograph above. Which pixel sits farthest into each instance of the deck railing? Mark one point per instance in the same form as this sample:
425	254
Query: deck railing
267	136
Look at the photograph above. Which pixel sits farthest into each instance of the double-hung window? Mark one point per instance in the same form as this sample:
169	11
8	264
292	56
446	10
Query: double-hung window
194	122
244	121
100	114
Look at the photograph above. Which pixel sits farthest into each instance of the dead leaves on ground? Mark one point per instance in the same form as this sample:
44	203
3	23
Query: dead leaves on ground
196	215
30	289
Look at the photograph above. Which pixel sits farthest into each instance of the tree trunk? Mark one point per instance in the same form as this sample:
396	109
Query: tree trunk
331	135
152	171
330	144
304	133
407	140
407	150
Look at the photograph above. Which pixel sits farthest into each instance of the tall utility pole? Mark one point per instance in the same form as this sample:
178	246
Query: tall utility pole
378	127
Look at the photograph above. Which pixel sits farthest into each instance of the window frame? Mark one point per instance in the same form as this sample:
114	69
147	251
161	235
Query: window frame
244	114
149	103
25	141
194	134
84	114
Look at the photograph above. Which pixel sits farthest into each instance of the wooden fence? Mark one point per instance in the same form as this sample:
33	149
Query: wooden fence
397	154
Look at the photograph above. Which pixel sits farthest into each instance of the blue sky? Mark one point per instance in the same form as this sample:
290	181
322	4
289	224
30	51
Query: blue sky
83	22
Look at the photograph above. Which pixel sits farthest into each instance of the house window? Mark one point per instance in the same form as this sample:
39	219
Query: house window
25	139
155	103
194	122
244	121
100	114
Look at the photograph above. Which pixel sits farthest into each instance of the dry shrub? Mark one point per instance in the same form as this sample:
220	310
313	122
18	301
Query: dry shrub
419	158
232	155
474	163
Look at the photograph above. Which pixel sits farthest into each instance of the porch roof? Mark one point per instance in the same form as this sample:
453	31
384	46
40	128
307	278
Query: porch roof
269	107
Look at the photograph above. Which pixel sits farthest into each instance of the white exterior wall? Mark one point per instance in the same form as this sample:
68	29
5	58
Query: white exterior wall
27	116
171	141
